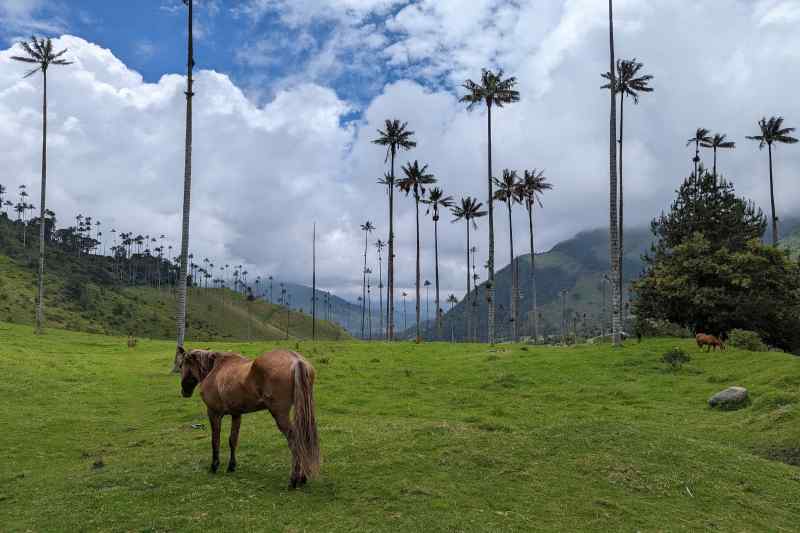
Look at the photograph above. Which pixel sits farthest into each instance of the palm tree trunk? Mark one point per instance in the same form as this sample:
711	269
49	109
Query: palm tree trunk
390	272
715	161
513	318
187	191
467	297
490	285
313	285
696	155
42	223
621	288
533	274
380	292
613	222
436	261
419	336
772	200
364	287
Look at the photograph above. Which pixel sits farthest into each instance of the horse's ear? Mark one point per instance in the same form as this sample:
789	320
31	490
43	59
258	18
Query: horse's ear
181	351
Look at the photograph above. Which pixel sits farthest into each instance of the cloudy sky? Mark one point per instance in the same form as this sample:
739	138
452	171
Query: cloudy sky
290	94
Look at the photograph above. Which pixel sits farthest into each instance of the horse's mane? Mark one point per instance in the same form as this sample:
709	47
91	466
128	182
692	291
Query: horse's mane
205	361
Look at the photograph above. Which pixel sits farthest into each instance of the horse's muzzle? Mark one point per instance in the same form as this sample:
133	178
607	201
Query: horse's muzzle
186	393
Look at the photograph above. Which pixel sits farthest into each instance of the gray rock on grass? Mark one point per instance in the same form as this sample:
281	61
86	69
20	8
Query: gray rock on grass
730	398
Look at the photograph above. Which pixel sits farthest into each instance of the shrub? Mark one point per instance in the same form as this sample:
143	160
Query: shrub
675	358
746	340
652	327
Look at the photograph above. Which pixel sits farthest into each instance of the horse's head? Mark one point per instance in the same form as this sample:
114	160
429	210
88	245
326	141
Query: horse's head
195	366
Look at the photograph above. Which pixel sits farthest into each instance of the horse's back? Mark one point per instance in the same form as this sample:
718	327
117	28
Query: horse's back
276	369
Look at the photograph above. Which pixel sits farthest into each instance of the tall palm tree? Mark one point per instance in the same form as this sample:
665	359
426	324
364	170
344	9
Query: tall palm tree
718	142
451	301
40	52
416	180
380	245
701	138
187	187
494	91
469	211
506	192
529	191
437	200
772	131
395	137
367	228
613	226
628	83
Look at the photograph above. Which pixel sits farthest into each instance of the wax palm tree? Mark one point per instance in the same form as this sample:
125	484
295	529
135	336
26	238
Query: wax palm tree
469	211
437	200
613	226
529	192
39	52
506	192
380	245
395	137
701	137
718	142
772	131
628	83
495	91
367	227
187	187
2	193
416	180
452	301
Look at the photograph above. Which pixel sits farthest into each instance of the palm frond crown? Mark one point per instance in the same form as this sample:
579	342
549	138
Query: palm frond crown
417	178
395	137
40	52
772	131
493	90
506	186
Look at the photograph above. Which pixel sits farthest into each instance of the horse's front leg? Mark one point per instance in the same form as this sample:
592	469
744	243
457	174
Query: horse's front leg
216	427
233	441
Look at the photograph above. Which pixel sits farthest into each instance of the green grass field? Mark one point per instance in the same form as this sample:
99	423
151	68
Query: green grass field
415	438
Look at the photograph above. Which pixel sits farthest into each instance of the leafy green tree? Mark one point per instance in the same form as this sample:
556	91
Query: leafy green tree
772	132
718	142
40	53
529	192
709	271
469	211
714	289
708	205
506	192
437	200
495	91
395	137
416	180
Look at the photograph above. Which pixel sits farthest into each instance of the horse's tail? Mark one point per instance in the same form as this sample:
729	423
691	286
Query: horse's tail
305	424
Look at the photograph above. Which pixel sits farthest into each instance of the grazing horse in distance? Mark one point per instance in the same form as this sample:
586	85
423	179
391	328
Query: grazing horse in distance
709	341
231	384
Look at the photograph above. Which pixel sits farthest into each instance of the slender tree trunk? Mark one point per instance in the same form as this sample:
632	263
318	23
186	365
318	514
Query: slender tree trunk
533	274
696	155
314	285
390	272
42	207
419	336
364	288
772	200
467	301
715	161
380	293
513	318
187	191
436	260
621	288
613	222
490	286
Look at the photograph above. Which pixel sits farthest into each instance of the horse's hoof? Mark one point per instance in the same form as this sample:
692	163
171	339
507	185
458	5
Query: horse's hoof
303	481
232	467
214	468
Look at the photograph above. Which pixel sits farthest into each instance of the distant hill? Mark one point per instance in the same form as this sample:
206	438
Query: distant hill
792	243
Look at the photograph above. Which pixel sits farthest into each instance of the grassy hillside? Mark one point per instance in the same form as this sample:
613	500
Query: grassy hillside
76	300
415	438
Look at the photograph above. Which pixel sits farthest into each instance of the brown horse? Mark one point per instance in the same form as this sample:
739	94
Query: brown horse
709	341
231	384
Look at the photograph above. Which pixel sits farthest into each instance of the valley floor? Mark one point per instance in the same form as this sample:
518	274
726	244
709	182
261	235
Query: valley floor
435	437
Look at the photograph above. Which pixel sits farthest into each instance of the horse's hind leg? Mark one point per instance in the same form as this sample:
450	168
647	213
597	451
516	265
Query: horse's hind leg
216	428
285	426
233	441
